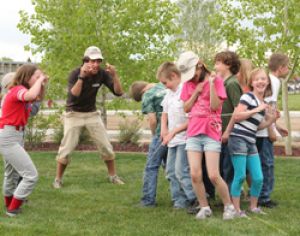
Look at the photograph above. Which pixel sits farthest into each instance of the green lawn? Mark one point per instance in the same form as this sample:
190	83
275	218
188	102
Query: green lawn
89	205
123	104
293	102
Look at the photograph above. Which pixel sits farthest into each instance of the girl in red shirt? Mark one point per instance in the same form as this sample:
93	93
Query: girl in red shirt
27	85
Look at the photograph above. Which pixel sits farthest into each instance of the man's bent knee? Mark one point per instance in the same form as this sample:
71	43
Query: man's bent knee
63	160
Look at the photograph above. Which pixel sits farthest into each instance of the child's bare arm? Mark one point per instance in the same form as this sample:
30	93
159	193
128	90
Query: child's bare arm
215	101
152	122
190	102
164	125
272	133
167	138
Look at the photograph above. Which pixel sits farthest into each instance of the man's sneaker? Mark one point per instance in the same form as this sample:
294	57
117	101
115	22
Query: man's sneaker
57	184
204	213
258	210
115	180
229	212
13	213
268	204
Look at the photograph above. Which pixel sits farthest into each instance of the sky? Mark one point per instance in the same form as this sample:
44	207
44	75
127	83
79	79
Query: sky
12	41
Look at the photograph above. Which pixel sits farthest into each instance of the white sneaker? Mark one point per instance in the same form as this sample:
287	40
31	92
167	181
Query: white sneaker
229	212
258	210
241	214
204	213
115	180
57	184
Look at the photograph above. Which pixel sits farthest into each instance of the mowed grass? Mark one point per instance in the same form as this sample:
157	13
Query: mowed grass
89	205
293	102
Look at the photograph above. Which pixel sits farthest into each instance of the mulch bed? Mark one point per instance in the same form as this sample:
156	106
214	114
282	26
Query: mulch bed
278	150
143	148
47	146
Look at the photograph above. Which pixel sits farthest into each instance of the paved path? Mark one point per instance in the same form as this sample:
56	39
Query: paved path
114	118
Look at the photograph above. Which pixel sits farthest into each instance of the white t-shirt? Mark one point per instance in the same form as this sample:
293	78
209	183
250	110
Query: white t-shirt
275	84
173	106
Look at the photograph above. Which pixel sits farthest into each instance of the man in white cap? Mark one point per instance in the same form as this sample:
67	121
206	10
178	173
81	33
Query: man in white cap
83	85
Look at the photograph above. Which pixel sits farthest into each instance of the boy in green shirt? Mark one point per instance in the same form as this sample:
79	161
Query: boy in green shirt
151	96
227	65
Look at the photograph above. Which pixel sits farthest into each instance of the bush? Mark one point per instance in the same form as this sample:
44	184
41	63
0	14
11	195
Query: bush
130	129
36	129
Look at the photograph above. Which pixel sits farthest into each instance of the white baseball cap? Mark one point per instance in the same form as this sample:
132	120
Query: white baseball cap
93	53
186	64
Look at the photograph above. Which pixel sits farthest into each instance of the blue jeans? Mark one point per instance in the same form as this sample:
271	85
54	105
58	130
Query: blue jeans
226	167
178	173
266	154
156	154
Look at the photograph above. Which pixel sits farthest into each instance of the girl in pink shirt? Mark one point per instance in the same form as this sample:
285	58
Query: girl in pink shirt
203	94
26	87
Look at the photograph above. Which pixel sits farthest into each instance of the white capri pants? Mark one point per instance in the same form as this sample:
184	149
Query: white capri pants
17	163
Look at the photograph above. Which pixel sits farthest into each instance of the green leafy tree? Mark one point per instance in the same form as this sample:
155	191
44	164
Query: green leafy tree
197	34
134	35
6	59
257	28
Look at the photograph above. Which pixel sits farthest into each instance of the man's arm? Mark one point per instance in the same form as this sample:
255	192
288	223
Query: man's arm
116	80
77	87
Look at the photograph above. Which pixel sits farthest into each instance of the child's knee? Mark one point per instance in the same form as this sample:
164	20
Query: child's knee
258	180
214	178
196	177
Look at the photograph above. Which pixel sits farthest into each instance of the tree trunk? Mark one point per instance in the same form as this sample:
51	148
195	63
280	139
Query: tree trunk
286	116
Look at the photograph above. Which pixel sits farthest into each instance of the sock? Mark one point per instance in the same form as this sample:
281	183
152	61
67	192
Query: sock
228	206
206	207
7	200
15	204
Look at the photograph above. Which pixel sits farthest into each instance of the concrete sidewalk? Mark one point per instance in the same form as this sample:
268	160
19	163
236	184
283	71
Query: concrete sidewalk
114	118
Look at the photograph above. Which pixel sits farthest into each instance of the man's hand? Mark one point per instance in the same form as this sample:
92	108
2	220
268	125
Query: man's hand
110	69
85	70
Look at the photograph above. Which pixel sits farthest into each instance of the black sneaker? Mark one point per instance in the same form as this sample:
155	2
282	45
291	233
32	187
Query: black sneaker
268	204
13	213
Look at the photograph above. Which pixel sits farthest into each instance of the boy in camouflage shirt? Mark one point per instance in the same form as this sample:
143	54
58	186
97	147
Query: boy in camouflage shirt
151	96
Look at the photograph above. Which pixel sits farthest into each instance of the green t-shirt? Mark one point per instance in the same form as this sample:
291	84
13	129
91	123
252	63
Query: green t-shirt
151	103
234	92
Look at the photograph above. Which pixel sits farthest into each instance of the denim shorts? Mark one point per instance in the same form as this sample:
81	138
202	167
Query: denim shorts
202	143
239	146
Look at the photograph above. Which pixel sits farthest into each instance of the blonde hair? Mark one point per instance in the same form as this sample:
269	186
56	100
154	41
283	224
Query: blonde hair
166	68
268	91
245	70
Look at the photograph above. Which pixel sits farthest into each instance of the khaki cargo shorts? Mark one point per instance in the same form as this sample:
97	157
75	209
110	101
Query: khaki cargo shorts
73	125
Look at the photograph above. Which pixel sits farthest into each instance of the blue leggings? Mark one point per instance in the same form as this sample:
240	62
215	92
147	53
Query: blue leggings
252	164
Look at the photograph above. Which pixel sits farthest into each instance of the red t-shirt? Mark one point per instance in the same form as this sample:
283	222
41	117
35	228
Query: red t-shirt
15	110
